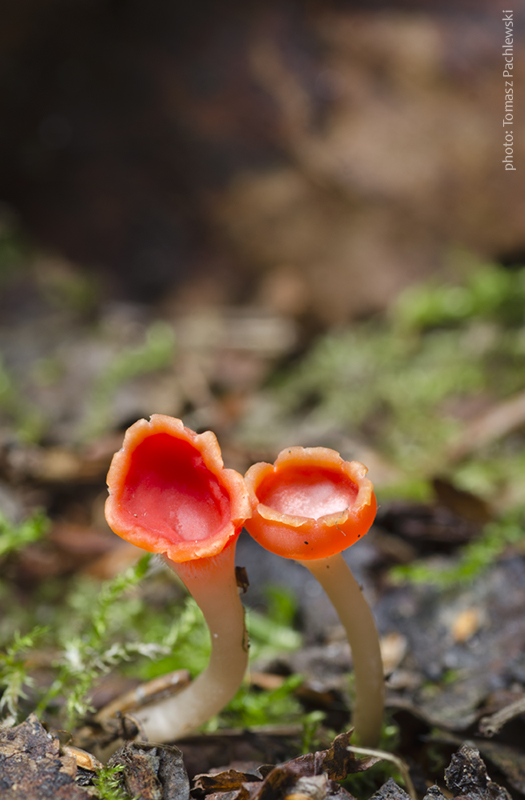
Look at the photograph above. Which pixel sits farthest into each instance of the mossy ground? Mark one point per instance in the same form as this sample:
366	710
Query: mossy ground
402	387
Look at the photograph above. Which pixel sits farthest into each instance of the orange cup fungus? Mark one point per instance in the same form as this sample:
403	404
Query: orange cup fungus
310	504
169	492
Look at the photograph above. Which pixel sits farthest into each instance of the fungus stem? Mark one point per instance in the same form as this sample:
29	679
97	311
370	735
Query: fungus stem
335	576
211	582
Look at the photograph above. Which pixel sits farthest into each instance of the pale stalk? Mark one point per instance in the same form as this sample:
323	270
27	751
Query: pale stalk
212	584
336	578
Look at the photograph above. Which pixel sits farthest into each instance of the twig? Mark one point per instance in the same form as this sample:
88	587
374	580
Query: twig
494	424
493	723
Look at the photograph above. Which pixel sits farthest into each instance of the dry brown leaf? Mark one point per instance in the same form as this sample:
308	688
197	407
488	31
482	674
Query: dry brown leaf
307	777
152	771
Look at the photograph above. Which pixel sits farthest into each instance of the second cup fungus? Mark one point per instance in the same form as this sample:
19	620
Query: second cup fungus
310	506
169	493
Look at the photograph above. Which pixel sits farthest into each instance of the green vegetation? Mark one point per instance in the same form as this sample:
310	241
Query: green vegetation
14	677
67	288
273	632
474	558
405	385
253	707
108	783
14	536
154	354
95	650
93	632
488	292
98	629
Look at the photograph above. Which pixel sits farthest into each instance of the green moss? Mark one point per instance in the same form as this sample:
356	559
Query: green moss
14	672
95	629
108	783
474	559
404	385
487	292
15	536
254	707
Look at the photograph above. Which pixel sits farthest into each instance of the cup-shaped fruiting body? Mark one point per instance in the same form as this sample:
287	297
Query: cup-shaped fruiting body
169	493
310	505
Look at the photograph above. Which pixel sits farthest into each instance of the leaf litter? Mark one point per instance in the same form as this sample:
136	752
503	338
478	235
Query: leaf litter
456	611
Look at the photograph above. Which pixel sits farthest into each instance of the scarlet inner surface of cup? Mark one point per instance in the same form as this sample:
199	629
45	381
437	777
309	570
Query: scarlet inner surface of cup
170	489
307	492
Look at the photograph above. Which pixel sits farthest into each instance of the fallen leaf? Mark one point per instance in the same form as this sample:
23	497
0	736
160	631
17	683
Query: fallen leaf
152	771
83	759
494	424
307	777
464	504
229	780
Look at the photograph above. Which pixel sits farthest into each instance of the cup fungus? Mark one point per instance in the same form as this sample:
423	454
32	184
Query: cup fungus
310	506
169	493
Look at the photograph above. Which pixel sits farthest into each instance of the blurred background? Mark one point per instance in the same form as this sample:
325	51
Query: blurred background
313	158
251	217
308	159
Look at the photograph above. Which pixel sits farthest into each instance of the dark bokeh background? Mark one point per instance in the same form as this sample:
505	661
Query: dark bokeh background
315	157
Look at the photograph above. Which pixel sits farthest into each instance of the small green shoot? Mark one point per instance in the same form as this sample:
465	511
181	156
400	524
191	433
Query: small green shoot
14	671
108	783
311	722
